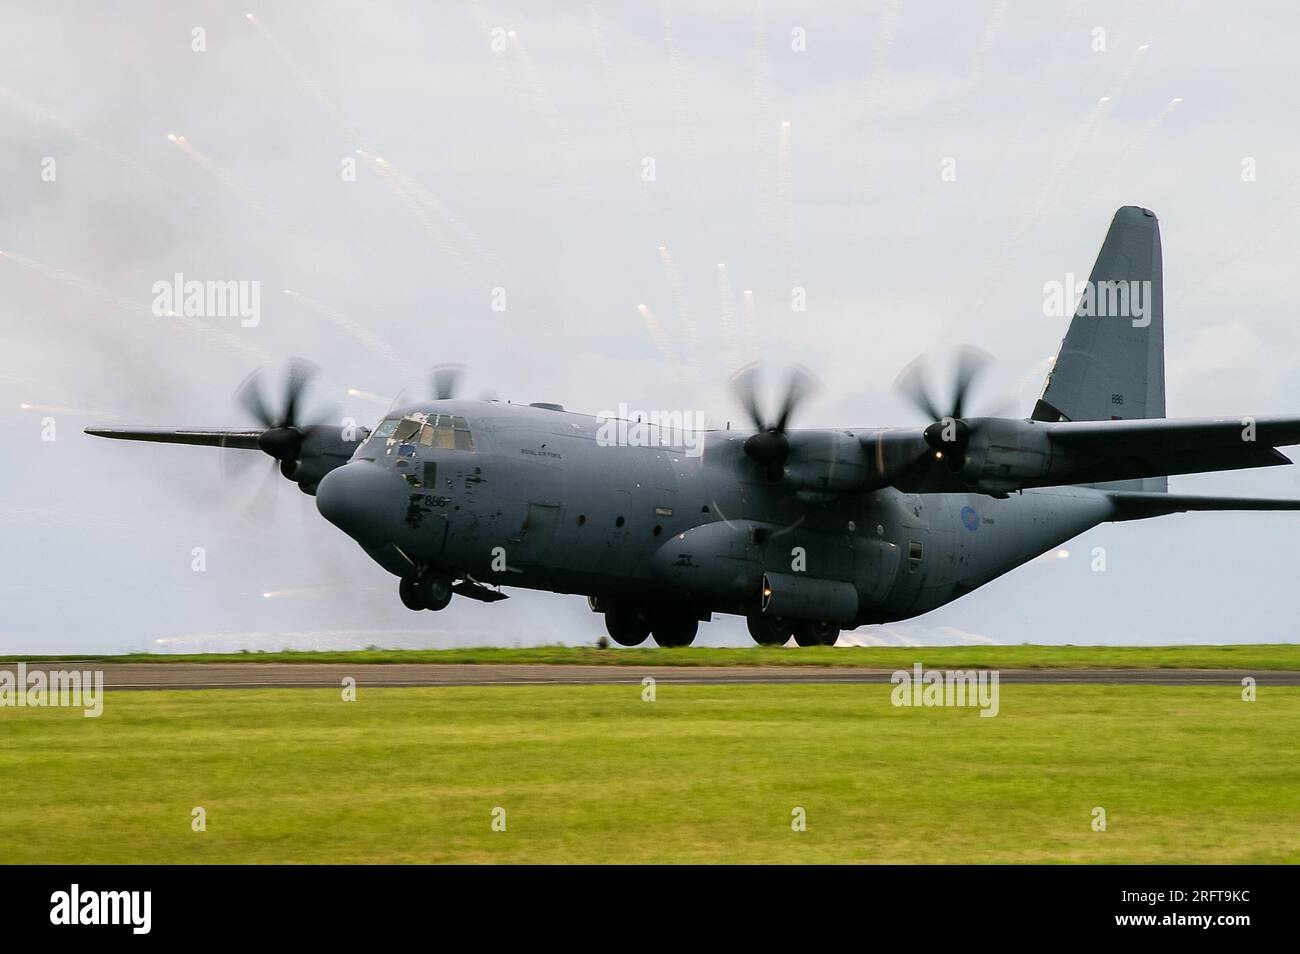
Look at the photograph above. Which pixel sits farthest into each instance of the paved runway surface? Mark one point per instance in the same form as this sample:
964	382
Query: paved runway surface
252	675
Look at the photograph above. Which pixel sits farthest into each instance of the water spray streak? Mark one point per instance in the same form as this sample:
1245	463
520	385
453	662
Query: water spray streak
764	121
346	128
751	326
410	192
785	195
727	319
681	308
657	336
372	341
1131	148
617	100
228	181
99	293
677	73
545	106
44	115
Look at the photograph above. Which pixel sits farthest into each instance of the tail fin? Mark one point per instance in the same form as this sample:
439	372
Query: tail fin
1112	362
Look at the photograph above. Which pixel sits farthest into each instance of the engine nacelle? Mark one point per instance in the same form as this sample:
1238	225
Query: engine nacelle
825	462
1006	455
802	597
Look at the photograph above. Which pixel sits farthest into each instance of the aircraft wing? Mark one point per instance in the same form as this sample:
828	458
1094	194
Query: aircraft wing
209	437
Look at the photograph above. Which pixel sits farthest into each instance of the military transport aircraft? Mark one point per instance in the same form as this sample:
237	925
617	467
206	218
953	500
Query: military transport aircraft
803	532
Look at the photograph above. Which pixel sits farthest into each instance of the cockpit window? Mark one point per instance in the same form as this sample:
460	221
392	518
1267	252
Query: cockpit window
438	431
463	439
407	428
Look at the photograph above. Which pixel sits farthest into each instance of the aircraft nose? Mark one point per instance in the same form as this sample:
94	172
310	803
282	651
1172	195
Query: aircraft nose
363	500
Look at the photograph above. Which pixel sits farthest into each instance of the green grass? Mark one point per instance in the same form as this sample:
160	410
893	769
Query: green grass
703	774
1249	657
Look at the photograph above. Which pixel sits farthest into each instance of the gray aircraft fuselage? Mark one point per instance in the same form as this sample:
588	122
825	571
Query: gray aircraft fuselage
802	532
540	503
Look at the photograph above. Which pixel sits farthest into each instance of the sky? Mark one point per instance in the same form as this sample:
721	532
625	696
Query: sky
573	200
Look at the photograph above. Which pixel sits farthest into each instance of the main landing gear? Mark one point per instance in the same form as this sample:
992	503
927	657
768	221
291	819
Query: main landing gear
777	631
431	591
628	624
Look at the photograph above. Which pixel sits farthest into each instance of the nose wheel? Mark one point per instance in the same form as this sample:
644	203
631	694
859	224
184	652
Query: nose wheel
432	591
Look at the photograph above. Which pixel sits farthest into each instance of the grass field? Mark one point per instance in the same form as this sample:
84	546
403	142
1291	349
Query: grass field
703	774
1248	656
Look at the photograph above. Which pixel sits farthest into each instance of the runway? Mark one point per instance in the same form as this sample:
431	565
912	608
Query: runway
330	675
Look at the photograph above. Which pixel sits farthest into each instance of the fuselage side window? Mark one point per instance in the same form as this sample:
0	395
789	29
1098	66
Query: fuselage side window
385	429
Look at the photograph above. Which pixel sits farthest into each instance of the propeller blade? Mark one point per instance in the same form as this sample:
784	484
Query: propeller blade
444	381
296	381
745	390
971	363
261	506
911	384
249	397
801	384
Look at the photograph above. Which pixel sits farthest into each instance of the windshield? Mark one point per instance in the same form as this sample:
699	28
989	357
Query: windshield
438	431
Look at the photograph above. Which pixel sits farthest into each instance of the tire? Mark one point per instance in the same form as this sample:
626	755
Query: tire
828	634
627	625
675	631
411	593
811	632
769	630
437	592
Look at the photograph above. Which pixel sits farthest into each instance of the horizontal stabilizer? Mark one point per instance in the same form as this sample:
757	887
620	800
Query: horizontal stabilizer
1135	505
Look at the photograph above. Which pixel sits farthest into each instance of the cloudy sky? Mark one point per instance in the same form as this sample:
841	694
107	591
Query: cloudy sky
541	156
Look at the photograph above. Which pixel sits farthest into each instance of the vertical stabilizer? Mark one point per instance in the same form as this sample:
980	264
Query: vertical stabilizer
1112	362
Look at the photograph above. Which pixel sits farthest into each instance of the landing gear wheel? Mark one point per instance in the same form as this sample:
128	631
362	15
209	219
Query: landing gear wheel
769	630
675	631
411	592
815	633
437	591
627	625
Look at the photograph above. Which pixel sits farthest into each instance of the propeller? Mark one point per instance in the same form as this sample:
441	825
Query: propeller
770	447
444	384
285	427
444	381
949	435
